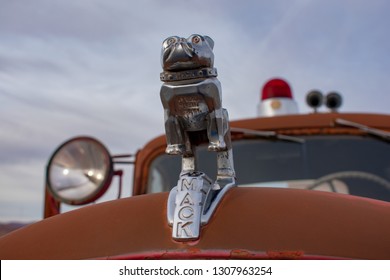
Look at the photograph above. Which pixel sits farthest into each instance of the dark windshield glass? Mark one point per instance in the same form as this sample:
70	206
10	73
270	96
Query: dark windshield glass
259	161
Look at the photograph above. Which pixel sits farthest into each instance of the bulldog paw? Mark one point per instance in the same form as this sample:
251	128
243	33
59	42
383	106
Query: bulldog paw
217	146
175	149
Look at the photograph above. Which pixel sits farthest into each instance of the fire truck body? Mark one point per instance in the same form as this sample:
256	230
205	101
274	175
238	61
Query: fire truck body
252	221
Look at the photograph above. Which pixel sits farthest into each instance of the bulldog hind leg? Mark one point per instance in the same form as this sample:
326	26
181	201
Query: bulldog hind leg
225	167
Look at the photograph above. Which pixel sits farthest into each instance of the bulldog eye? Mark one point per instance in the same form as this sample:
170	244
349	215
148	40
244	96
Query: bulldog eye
196	39
171	41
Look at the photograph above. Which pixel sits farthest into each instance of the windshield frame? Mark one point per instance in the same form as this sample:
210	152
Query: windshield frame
291	125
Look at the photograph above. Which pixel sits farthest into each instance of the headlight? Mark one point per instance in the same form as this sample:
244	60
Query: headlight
79	171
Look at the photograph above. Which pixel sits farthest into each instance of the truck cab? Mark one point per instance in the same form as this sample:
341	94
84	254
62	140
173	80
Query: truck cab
309	186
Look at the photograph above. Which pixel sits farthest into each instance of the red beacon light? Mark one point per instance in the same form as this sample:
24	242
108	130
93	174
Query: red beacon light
276	99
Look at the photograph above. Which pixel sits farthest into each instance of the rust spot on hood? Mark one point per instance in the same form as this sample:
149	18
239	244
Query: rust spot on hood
288	255
241	254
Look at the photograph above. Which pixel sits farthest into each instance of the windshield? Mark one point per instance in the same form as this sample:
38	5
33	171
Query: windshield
351	164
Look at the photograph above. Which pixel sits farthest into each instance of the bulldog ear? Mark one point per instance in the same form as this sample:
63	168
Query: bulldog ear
209	41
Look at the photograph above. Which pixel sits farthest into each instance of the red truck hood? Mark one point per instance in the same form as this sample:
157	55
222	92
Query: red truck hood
249	223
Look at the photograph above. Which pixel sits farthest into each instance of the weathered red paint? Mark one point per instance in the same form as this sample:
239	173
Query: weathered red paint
286	223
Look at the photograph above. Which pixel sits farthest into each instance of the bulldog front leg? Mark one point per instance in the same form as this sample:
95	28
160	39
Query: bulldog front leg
216	131
217	125
174	135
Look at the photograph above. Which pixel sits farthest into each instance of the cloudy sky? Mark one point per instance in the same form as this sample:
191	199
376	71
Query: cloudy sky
91	67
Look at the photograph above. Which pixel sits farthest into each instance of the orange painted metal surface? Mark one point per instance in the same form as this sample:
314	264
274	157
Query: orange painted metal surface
249	223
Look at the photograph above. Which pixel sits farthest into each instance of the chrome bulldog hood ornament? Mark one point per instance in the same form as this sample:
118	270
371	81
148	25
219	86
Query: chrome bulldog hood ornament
192	101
